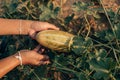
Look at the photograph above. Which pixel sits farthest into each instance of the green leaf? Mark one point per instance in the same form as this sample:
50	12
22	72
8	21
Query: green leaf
56	10
95	14
79	6
117	30
61	59
101	53
68	19
103	65
100	34
81	76
98	65
100	75
80	45
48	12
50	6
109	35
11	6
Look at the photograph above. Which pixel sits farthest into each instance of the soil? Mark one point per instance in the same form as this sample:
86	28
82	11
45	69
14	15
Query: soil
66	6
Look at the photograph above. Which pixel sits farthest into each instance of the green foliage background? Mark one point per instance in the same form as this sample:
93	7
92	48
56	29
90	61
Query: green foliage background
94	56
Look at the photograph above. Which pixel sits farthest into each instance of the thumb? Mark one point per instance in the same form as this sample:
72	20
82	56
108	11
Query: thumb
32	34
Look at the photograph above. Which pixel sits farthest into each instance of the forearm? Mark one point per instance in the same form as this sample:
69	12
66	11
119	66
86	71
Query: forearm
7	64
14	26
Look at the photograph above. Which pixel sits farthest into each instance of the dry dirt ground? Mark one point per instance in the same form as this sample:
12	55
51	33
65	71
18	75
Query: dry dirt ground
99	25
66	5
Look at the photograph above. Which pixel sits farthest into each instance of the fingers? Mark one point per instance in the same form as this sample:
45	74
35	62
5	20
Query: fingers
44	60
40	26
52	27
43	63
43	57
45	26
37	48
32	34
41	50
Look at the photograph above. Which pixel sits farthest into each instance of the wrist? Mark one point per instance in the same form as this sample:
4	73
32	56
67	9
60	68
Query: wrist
25	27
33	28
18	57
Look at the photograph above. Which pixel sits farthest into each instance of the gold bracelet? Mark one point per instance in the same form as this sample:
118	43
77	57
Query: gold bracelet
19	57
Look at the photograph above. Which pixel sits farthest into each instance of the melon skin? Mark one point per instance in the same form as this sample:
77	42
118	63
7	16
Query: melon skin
55	40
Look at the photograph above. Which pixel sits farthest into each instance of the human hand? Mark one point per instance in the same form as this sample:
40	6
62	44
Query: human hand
34	57
40	26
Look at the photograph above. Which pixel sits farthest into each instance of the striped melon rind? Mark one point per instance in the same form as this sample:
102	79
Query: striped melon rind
55	40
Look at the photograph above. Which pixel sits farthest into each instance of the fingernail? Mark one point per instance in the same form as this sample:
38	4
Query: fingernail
48	62
46	57
57	28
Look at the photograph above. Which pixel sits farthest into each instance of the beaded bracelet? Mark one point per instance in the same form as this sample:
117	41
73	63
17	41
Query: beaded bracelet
19	57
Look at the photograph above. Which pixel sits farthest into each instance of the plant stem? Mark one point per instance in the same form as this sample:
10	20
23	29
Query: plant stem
106	45
107	17
116	15
112	77
88	26
112	26
116	57
64	68
80	30
35	74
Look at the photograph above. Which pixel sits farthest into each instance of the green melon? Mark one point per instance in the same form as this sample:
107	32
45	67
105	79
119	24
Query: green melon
55	40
